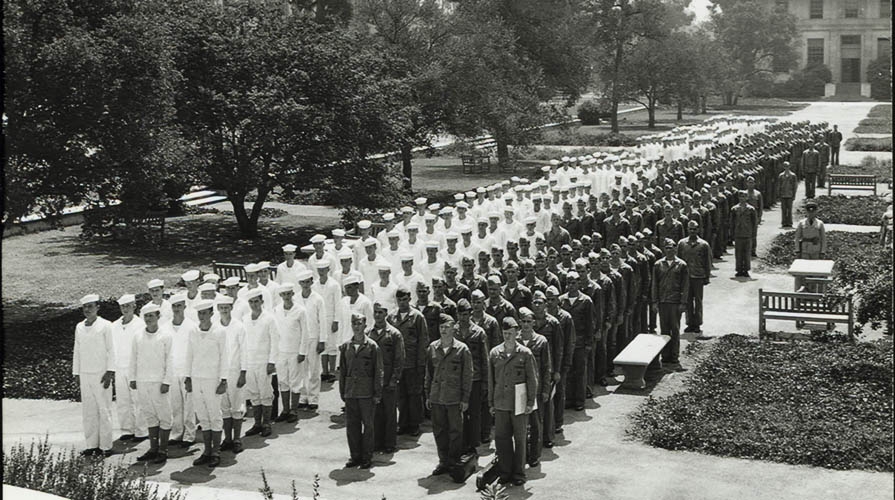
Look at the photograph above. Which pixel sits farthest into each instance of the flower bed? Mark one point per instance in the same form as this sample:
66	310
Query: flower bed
812	403
841	209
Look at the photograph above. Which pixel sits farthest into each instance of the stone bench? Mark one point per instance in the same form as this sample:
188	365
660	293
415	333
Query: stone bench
637	356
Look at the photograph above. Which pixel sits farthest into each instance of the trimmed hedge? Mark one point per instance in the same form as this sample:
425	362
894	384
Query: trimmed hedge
827	404
869	144
842	209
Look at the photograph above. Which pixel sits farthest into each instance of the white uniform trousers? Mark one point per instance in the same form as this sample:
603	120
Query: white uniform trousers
184	425
129	417
289	372
96	408
155	407
258	389
208	403
310	370
233	402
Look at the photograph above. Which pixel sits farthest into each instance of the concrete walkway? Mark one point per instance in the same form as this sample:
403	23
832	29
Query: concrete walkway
846	115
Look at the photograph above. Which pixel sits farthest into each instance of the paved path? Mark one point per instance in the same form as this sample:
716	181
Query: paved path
846	115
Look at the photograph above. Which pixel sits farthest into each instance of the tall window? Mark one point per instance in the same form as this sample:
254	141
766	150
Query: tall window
815	52
851	8
816	9
883	47
885	8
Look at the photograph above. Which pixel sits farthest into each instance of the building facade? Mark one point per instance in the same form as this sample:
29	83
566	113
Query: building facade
844	35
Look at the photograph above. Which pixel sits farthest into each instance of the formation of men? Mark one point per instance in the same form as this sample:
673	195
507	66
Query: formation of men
491	317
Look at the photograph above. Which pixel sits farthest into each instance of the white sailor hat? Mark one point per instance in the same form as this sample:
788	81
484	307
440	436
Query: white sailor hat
370	242
413	226
208	287
446	211
345	254
537	197
504	183
545	169
286	287
264	264
322	264
223	299
304	275
388	216
466	230
434	207
177	298
514	179
462	204
531	219
481	220
337	233
555	189
451	235
252	268
149	308
155	283
519	188
459	196
429	217
211	278
496	246
231	281
364	224
554	162
406	256
394	233
203	304
510	209
255	292
420	201
384	267
494	214
127	298
351	279
470	194
191	275
290	248
431	244
507	196
318	238
480	189
406	210
566	159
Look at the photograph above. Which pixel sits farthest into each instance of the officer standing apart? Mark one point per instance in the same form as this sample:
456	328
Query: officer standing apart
509	365
93	366
360	386
811	239
670	290
448	384
743	221
787	182
810	165
835	141
696	253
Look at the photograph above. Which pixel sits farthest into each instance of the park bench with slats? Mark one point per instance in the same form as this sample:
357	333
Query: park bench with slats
476	163
149	225
851	181
637	356
814	308
226	270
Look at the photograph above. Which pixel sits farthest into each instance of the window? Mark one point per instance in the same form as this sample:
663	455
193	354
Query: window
883	47
815	52
851	8
816	9
885	8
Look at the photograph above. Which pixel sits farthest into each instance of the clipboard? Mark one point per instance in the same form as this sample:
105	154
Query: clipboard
521	393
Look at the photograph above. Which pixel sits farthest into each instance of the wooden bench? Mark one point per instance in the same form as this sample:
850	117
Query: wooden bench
815	308
637	356
476	163
851	181
148	227
226	270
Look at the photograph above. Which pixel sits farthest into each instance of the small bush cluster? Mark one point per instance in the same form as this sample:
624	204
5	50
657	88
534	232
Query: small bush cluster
805	83
812	403
882	169
879	74
547	154
67	474
590	112
869	144
573	137
842	209
266	213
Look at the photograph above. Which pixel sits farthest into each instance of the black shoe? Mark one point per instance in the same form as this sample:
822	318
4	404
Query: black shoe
602	382
389	450
589	393
696	330
689	329
255	429
202	460
282	417
302	406
534	463
149	455
237	447
366	464
292	418
518	482
352	463
214	462
486	442
441	469
160	458
548	444
91	452
107	453
312	407
139	439
174	442
227	445
126	437
265	430
186	444
558	430
746	275
579	408
415	432
504	480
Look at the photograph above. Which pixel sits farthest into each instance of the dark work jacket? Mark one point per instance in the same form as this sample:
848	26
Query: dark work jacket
360	370
476	340
582	312
448	375
550	328
415	332
391	345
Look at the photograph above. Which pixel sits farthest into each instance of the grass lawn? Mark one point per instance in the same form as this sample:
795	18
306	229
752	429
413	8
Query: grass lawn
842	209
826	404
878	121
868	144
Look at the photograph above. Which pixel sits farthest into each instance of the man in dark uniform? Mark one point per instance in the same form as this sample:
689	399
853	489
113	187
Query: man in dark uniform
810	165
615	225
514	291
477	341
567	326
412	325
670	291
540	349
787	183
548	326
391	346
743	221
492	332
470	279
360	386
835	141
581	308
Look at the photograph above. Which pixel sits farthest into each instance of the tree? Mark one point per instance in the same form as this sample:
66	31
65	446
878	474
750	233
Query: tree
269	99
879	74
755	39
87	106
617	26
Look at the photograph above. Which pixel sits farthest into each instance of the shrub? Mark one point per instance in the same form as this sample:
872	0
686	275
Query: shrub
842	209
823	404
882	169
266	213
879	74
590	112
67	474
808	82
868	144
576	138
546	154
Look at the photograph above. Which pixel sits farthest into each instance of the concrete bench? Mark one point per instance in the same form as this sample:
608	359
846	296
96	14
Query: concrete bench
851	181
637	356
820	309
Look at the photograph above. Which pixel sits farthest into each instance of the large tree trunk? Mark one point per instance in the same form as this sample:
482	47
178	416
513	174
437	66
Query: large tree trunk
617	67
651	114
247	221
702	100
407	165
503	151
680	110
